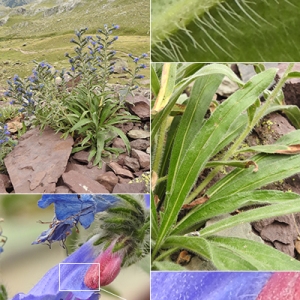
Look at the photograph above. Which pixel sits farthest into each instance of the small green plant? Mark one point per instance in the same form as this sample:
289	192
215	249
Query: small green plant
86	106
187	138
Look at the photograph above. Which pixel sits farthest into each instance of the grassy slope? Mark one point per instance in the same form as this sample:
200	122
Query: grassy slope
47	38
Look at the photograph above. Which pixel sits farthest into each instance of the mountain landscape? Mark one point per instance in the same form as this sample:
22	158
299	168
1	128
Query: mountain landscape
41	29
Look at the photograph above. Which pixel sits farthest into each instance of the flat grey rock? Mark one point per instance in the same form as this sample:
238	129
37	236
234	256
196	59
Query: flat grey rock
37	162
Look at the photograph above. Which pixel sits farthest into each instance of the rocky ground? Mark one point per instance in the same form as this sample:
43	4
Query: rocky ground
42	162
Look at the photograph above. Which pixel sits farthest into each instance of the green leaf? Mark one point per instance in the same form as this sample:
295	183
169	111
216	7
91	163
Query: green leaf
224	30
278	209
123	136
154	220
155	84
203	145
263	257
180	86
80	124
167	265
202	94
227	204
168	78
272	167
234	253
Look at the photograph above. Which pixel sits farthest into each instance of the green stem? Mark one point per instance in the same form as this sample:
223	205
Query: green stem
166	254
242	137
160	146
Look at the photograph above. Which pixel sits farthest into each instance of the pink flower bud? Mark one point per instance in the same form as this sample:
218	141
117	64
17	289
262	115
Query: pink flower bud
110	266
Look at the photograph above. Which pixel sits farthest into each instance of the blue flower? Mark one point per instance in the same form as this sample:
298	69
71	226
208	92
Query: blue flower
116	26
147	200
139	76
69	276
144	55
136	59
143	66
207	285
69	210
2	237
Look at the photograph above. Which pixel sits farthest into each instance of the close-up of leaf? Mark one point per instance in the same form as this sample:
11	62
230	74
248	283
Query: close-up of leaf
225	30
208	180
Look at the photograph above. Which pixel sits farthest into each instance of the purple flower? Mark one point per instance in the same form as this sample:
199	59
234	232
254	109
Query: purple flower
2	237
136	59
71	209
207	285
139	76
116	26
143	66
67	280
144	55
147	200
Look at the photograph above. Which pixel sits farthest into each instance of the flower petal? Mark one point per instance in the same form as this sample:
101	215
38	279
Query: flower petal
71	276
207	285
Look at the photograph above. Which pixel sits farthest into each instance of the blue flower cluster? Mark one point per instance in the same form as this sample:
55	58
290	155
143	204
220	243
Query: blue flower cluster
4	133
71	209
68	280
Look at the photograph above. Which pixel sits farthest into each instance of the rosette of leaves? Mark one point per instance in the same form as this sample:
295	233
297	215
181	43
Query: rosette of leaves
225	30
187	136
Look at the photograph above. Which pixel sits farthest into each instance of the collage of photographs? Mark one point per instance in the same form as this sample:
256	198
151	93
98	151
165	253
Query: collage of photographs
149	149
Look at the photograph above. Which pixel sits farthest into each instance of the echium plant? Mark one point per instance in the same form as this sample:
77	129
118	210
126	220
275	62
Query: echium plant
225	30
6	144
87	106
119	238
191	143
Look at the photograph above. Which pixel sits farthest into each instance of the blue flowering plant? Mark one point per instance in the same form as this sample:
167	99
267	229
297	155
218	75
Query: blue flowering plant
6	144
80	101
117	236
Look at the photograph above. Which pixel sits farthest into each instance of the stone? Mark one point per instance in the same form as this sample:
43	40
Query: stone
118	143
85	170
138	134
121	159
280	232
129	188
227	87
243	230
37	162
2	187
62	189
144	158
139	106
123	180
109	180
140	144
82	156
119	65
291	88
79	183
118	170
5	179
132	163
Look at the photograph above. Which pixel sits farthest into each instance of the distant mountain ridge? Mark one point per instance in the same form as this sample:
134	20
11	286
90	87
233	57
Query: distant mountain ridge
56	17
14	3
